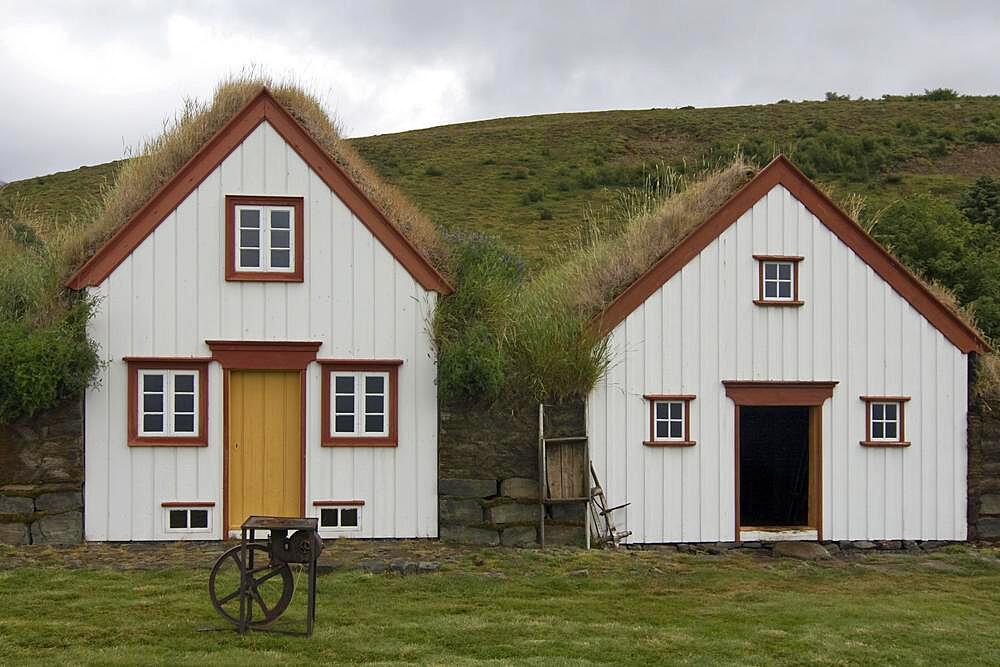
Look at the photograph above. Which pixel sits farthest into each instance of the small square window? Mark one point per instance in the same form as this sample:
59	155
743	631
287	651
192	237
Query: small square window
261	238
778	280
885	421
669	420
178	519
199	518
164	404
188	518
359	404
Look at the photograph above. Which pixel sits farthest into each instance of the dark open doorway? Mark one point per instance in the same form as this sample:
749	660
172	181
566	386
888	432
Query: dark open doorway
774	465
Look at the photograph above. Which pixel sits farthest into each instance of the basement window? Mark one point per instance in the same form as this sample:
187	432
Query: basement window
360	399
885	421
264	238
345	518
167	402
669	420
777	280
187	519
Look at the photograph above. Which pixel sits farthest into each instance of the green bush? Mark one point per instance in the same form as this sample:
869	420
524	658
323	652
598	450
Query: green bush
981	202
940	94
432	170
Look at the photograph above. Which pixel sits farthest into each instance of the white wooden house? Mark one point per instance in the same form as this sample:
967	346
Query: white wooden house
264	329
780	375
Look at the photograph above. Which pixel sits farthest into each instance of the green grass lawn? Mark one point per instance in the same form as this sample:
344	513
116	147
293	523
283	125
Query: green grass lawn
523	606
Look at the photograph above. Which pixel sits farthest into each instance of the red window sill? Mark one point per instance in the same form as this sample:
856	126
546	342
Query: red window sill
167	442
264	276
786	304
885	443
360	442
669	443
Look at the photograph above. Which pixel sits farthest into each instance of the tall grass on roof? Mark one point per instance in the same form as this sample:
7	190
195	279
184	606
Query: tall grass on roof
160	158
502	333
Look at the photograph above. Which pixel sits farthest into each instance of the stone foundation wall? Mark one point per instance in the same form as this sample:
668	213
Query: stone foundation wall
488	474
984	472
41	478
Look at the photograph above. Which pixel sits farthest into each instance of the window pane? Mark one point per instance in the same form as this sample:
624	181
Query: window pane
375	404
184	403
280	238
675	430
184	423
785	271
375	384
152	403
178	518
662	430
662	410
250	258
152	382
770	271
344	384
374	423
890	430
770	290
249	238
328	517
249	217
349	517
184	382
152	423
280	219
344	404
878	411
199	518
878	430
281	259
785	290
344	424
890	411
675	410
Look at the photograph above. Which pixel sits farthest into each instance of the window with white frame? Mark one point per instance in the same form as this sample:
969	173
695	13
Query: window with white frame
779	281
188	519
346	518
669	420
168	403
265	238
886	420
360	404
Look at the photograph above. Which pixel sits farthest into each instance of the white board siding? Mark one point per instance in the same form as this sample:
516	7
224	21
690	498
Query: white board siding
170	296
702	327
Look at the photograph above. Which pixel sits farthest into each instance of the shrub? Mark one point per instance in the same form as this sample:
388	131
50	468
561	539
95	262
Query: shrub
940	94
432	170
832	96
532	196
981	202
545	214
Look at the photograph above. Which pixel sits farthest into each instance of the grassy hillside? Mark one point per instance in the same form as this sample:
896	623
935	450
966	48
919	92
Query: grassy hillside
531	180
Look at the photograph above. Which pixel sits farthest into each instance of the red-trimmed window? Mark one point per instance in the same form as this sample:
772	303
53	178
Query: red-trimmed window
264	240
885	421
339	515
669	420
777	280
167	402
360	402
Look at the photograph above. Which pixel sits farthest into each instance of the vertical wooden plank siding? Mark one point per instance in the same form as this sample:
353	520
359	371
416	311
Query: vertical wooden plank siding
170	296
702	327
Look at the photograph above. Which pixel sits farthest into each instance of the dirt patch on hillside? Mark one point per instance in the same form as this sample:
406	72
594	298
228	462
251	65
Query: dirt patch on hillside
970	161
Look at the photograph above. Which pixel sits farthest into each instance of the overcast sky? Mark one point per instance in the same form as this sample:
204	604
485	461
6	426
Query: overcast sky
82	81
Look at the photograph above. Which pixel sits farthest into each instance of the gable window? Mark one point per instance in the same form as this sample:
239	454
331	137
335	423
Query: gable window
168	402
264	240
360	402
339	515
669	420
885	421
777	280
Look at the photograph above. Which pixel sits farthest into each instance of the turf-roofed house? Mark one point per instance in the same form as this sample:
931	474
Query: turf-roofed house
263	323
778	375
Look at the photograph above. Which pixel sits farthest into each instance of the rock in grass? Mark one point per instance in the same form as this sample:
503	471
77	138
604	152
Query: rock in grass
801	550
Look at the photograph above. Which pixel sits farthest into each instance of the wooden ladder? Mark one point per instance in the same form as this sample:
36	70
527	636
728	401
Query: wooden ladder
566	482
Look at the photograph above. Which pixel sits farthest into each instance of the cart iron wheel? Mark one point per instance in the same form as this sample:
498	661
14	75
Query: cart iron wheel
269	586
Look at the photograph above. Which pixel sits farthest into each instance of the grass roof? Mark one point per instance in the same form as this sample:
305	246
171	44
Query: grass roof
159	159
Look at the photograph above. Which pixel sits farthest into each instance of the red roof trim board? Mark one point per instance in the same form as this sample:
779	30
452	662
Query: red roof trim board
263	107
782	172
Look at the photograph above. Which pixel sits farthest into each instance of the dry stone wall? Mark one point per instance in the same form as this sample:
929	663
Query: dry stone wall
41	478
488	474
984	472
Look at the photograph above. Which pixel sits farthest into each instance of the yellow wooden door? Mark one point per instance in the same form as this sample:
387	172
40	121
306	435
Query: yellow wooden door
265	445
